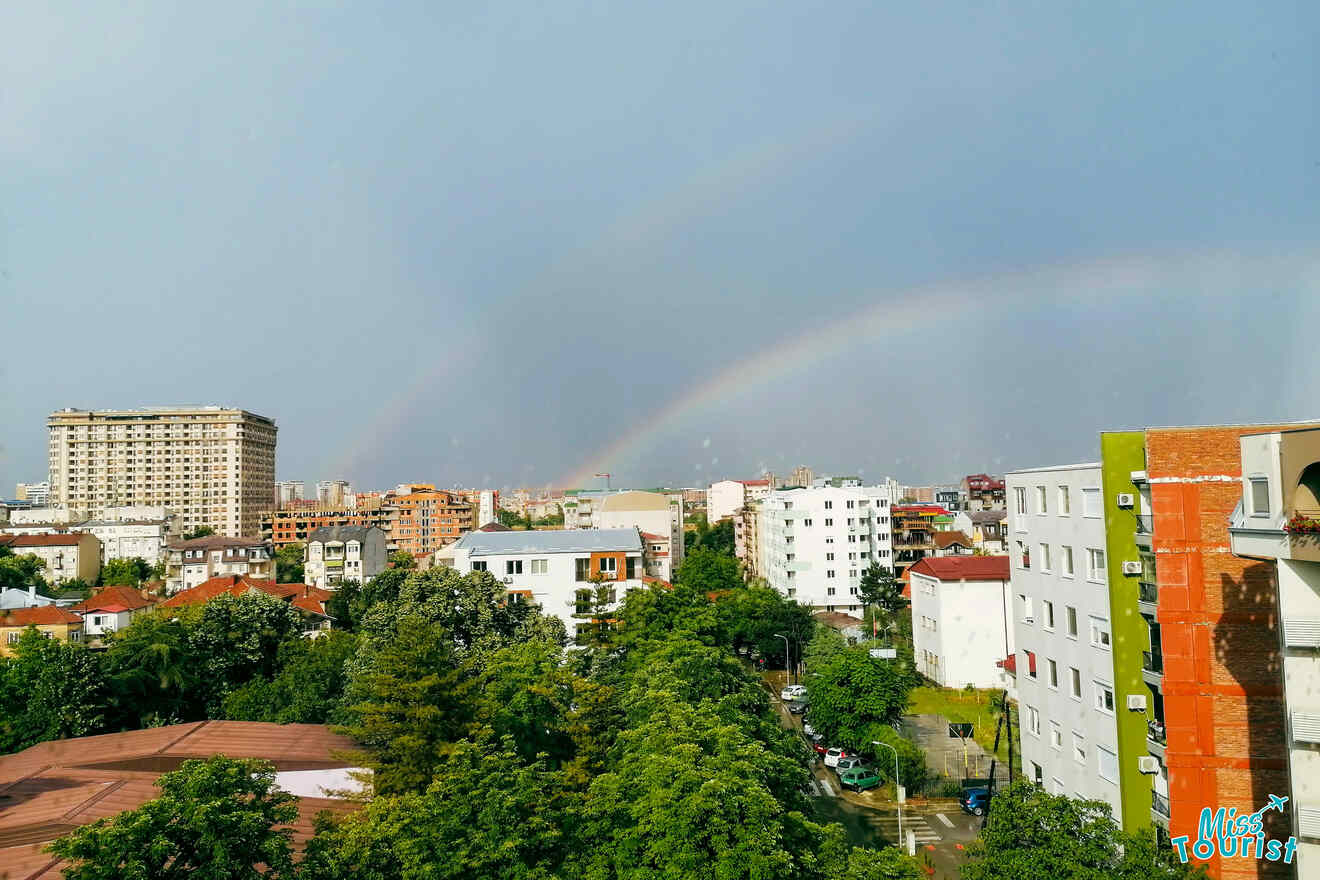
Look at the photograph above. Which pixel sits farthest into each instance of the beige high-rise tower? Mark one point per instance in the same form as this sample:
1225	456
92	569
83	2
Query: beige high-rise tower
212	465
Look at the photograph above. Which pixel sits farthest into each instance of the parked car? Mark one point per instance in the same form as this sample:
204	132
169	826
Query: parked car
974	801
796	707
832	756
807	728
818	745
793	692
849	762
859	778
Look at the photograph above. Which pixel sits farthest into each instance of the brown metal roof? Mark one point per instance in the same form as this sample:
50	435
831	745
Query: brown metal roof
52	788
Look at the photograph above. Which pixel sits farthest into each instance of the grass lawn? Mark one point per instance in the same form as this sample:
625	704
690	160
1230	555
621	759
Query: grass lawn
960	705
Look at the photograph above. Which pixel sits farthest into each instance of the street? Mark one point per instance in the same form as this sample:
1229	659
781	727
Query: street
871	818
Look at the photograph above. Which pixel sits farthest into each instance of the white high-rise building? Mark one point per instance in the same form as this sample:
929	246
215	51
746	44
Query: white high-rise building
815	543
725	497
287	491
334	493
1062	632
211	465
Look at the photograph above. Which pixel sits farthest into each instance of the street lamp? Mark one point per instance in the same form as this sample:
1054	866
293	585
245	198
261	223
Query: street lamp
896	788
787	668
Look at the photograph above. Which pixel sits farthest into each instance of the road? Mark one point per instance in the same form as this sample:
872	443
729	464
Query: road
871	819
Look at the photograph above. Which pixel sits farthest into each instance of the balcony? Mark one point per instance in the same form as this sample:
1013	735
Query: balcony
1152	667
1148	597
1159	804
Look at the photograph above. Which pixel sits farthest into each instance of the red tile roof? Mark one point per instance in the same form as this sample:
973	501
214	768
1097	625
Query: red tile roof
301	596
124	597
957	568
68	539
755	482
944	540
42	615
650	537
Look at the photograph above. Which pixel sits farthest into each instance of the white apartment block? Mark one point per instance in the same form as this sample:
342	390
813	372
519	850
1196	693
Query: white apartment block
124	532
657	515
725	497
287	491
213	466
1061	613
36	493
962	625
815	543
550	567
335	554
190	563
65	556
1281	483
334	493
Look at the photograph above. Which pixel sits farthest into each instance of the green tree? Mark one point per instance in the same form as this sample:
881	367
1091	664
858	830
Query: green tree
405	704
710	571
852	691
216	819
152	672
510	519
345	605
125	572
289	564
755	615
49	690
308	687
236	639
881	588
20	572
1034	834
402	559
594	613
199	532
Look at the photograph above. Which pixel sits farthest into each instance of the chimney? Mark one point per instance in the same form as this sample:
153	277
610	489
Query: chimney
32	595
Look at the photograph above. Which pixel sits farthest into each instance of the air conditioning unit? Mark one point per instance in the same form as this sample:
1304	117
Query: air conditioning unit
506	580
1131	567
1148	764
1136	702
1125	499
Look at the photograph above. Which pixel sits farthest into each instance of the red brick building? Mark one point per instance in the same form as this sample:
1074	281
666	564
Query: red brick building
1218	626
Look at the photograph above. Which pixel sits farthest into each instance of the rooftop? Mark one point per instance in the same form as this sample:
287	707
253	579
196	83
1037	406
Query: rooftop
948	539
959	568
39	615
341	533
302	596
985	516
64	539
551	541
1081	466
634	500
123	598
217	542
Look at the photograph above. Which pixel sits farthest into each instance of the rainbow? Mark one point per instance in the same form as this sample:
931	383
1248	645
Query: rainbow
1108	280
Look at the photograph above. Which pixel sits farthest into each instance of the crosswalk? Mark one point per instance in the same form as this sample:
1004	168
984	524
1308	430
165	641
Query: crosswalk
888	826
820	788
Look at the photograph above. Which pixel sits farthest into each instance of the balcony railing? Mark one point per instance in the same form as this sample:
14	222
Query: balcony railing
1155	732
1152	661
1159	803
1145	524
1148	592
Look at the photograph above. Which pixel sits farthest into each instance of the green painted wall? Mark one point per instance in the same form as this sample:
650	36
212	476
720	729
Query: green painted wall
1121	453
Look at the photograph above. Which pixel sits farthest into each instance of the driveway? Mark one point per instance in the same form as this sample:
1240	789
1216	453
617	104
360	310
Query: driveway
948	755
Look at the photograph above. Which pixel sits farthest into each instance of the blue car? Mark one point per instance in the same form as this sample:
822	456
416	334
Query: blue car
975	801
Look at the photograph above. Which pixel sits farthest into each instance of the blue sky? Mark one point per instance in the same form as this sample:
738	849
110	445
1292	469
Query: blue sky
479	244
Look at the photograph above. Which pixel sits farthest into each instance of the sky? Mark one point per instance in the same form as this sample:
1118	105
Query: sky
518	244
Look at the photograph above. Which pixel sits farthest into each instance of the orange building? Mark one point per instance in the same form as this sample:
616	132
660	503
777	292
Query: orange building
293	524
426	520
1218	634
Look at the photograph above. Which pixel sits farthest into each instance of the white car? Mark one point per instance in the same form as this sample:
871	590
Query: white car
808	729
793	692
832	756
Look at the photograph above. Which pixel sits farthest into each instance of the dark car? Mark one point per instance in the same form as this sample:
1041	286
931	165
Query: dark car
974	800
797	707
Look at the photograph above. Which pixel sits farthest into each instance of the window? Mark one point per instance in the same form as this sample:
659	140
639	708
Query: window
1095	564
1099	632
1058	786
1065	502
1042	506
609	565
1079	748
1056	735
1072	621
479	565
1054	674
1030	657
630	567
829	505
1066	561
1260	496
851	505
852	572
1027	609
13	637
581	569
829	572
829	591
829	540
1033	721
513	566
807	523
1104	697
1108	762
1037	775
75	635
1047	614
1076	675
1024	554
829	557
1044	557
1020	499
1091	502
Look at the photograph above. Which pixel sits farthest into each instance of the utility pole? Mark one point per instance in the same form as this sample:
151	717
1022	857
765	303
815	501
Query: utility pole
898	788
788	668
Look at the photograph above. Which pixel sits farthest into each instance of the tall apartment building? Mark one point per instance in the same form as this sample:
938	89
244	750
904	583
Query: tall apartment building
334	493
801	476
288	491
1063	631
485	504
1274	530
815	543
726	496
747	539
213	466
295	525
657	515
426	519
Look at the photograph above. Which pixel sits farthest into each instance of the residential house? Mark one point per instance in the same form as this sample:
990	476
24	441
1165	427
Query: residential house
52	622
111	609
658	515
308	600
66	556
343	553
953	543
196	561
983	492
989	531
962	620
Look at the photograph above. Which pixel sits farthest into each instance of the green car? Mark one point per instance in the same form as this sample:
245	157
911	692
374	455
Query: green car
859	778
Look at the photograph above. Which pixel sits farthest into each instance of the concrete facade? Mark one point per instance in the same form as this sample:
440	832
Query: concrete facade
343	553
962	620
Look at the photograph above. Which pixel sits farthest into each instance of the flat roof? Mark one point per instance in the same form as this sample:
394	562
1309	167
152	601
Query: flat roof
1081	466
550	541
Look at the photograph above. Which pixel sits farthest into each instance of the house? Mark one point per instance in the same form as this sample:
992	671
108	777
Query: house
54	623
852	629
951	544
12	597
66	556
989	530
983	492
555	569
962	619
112	608
309	600
57	786
194	562
336	554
